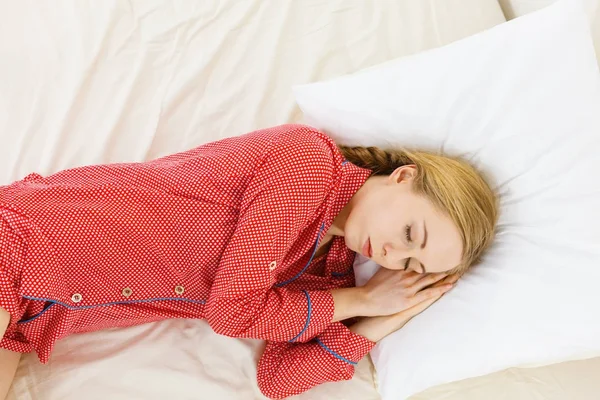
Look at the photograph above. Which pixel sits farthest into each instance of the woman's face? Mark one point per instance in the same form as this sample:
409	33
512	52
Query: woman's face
398	229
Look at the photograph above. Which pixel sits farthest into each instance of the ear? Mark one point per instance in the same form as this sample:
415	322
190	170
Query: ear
404	174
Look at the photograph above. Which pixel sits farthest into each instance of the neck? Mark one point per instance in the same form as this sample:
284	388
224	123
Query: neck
339	223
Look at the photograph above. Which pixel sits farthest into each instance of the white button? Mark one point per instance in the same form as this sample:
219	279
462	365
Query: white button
179	289
272	266
76	298
127	292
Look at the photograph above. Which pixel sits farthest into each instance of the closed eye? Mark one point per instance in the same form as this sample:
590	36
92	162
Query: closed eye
407	234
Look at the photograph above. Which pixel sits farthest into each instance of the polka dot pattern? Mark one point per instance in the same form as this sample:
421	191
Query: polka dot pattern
224	232
287	369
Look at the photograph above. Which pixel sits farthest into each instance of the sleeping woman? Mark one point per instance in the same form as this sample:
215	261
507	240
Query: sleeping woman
256	234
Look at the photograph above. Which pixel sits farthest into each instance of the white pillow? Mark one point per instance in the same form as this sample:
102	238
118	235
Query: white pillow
522	101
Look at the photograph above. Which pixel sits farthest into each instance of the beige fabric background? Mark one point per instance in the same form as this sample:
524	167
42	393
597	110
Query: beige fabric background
117	80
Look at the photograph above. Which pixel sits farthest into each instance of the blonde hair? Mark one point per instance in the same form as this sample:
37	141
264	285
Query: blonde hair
452	184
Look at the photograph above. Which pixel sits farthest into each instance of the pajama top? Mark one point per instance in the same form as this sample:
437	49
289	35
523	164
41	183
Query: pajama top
224	232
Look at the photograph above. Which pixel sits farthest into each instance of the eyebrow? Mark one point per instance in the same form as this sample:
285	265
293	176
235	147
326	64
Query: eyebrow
424	244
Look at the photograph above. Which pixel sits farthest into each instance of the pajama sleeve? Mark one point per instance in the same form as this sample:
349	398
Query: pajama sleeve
287	369
285	193
12	256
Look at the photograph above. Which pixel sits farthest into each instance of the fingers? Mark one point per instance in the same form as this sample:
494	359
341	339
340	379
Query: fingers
386	274
406	278
422	306
432	292
449	279
409	278
428	280
419	307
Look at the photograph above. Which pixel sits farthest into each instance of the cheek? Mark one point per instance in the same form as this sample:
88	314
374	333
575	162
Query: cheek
379	214
360	218
369	212
393	211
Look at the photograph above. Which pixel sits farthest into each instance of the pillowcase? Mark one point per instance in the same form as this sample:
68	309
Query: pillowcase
522	102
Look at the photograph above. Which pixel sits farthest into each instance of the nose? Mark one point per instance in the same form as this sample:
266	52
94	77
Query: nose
388	248
394	252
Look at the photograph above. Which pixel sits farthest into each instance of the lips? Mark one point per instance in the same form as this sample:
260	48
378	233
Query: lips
367	250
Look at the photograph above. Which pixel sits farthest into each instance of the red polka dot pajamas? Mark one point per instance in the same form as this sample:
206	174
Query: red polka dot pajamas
225	232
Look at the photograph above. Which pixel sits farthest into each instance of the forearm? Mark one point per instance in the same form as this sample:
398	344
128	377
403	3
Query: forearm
9	360
376	328
349	303
278	315
293	315
4	321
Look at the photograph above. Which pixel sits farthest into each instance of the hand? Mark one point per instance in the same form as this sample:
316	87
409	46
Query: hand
376	328
392	291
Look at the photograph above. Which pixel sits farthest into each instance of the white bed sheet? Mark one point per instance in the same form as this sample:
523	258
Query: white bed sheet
96	82
174	359
118	80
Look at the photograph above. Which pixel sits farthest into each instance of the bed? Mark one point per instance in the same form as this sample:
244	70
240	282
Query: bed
139	79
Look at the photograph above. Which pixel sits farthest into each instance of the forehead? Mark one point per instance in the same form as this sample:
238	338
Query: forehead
444	243
444	247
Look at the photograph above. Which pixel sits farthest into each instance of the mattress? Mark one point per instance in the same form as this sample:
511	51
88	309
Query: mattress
122	81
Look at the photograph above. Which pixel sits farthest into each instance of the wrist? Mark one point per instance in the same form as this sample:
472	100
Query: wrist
348	303
366	305
361	297
376	328
366	329
372	328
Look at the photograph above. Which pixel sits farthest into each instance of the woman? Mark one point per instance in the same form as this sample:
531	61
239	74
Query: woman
257	234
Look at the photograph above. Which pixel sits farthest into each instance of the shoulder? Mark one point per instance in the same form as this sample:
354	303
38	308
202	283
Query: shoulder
297	162
298	132
304	145
267	150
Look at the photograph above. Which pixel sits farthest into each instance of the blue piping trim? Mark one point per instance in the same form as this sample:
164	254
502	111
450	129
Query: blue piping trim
307	318
333	353
116	302
344	163
309	261
38	315
337	274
